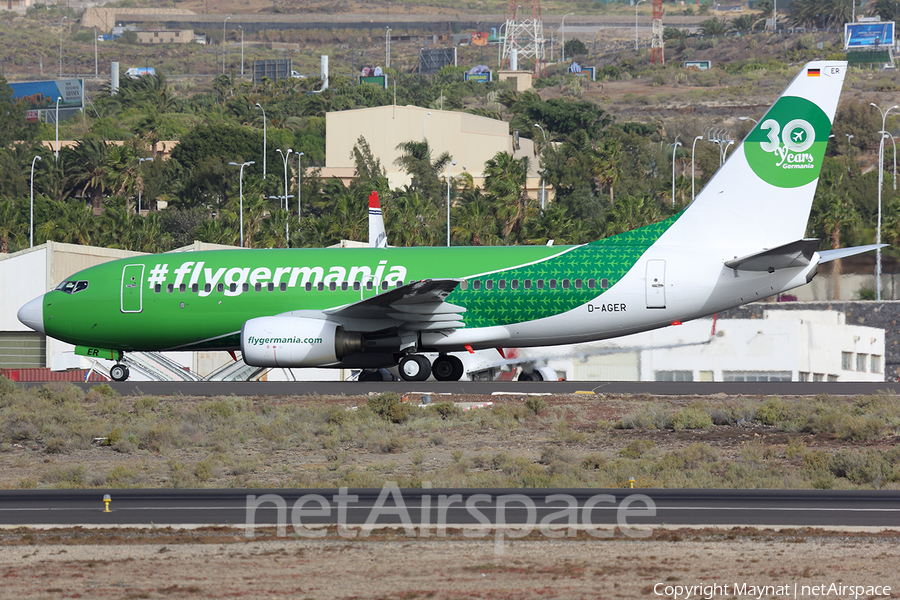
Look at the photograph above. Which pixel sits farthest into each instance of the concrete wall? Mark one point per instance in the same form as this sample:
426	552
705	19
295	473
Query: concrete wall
881	315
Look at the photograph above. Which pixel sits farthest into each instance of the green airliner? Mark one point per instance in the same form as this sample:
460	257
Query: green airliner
740	240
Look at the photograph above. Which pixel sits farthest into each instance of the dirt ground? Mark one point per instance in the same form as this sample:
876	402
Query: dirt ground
447	569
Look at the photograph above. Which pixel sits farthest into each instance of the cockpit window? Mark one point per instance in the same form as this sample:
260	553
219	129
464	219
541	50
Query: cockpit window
72	287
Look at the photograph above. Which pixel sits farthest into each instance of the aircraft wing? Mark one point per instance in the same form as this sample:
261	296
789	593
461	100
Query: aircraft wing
830	255
416	306
794	254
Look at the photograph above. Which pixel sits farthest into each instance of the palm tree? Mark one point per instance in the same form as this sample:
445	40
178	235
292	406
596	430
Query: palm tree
10	229
630	213
88	171
415	159
834	210
504	185
714	26
476	224
605	164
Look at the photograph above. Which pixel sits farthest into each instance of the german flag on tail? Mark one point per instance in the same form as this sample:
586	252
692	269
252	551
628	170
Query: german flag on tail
812	72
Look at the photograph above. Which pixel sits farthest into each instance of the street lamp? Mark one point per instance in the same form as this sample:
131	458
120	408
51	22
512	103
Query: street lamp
562	30
544	133
284	158
141	161
299	181
635	24
56	159
674	149
36	157
693	148
387	48
264	137
886	134
884	115
755	122
241	192
96	71
448	202
60	45
423	125
223	43
242	49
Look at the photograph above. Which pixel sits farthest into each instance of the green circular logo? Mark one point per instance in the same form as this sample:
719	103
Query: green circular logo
786	148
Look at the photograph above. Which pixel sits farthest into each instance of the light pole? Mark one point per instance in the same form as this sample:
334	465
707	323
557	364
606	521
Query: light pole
264	137
96	71
423	125
635	25
755	122
284	157
387	48
448	202
299	181
693	148
223	43
674	150
562	33
56	159
36	157
886	134
884	115
544	133
60	45
241	192
725	150
141	161
242	49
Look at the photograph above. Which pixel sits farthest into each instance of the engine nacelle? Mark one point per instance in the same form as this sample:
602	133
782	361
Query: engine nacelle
296	342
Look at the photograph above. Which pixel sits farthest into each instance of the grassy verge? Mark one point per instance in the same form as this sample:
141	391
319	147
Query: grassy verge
57	436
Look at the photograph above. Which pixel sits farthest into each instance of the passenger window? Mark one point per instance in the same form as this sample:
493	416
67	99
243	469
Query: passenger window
245	287
489	284
320	286
540	284
565	284
514	284
220	287
577	284
182	288
308	286
158	288
271	287
170	288
344	286
195	288
527	284
476	285
591	283
283	287
355	286
233	287
258	287
552	284
604	283
332	286
384	285
207	288
370	285
463	285
501	284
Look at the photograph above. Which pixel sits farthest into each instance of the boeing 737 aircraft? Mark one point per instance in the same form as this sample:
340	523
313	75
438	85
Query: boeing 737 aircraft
740	240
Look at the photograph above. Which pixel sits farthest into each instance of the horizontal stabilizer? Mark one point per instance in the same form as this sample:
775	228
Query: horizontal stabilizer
830	255
794	254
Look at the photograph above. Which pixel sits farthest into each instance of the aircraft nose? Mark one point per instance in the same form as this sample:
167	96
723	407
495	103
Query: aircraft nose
32	314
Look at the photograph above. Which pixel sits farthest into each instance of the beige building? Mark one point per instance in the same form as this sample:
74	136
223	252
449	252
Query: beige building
470	140
166	36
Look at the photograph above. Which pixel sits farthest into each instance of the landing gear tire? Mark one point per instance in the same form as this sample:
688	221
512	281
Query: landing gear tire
414	367
447	368
533	376
119	372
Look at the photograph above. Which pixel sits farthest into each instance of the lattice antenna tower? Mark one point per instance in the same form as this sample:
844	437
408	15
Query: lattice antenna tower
657	44
524	32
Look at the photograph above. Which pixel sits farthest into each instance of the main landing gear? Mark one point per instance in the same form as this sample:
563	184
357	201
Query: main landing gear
119	372
415	367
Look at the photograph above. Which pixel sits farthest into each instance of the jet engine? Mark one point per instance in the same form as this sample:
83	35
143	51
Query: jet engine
296	342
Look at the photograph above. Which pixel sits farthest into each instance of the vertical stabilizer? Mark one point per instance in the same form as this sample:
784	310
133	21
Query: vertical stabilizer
377	235
762	195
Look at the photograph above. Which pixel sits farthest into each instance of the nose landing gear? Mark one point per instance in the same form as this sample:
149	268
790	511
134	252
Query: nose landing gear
119	372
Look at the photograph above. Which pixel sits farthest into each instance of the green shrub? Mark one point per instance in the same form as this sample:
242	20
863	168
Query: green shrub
773	411
105	390
637	448
691	417
445	410
389	407
7	386
536	404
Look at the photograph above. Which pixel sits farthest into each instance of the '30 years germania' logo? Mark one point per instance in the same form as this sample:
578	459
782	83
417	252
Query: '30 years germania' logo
787	146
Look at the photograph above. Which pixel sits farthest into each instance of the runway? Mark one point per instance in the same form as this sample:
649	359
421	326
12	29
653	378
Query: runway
583	508
353	388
